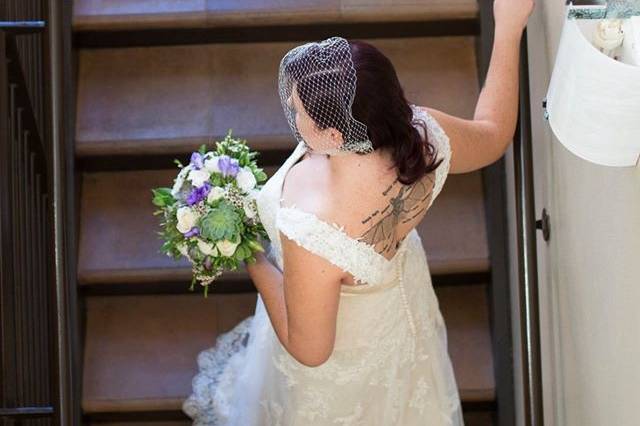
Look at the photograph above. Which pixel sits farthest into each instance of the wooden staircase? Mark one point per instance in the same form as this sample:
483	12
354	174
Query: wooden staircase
155	79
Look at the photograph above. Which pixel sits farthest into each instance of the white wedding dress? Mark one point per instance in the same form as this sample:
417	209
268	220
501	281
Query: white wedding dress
390	364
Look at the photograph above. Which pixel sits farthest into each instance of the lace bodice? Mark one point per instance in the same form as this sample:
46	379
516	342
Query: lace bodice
436	135
329	240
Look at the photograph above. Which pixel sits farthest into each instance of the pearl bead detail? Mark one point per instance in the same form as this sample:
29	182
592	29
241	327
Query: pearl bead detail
399	275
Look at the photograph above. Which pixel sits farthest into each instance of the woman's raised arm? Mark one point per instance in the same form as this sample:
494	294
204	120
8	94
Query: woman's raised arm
481	141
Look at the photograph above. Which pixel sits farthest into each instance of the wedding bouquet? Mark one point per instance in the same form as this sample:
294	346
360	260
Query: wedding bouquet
210	214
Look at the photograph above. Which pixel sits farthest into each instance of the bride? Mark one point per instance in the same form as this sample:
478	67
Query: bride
347	329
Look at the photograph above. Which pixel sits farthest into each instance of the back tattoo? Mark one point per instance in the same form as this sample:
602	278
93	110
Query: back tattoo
409	202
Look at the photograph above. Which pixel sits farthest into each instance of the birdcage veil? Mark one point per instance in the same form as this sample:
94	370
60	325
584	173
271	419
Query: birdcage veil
322	79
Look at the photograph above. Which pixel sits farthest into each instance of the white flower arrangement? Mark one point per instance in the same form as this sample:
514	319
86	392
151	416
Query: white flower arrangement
210	213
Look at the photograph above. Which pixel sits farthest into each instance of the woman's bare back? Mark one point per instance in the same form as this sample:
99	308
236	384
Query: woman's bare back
367	199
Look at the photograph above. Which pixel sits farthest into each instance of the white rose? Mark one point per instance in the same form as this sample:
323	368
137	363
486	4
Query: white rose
245	179
215	193
608	34
211	164
207	248
226	247
186	219
180	180
199	177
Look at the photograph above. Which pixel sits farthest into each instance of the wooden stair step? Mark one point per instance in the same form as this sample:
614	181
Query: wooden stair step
453	231
140	351
92	15
170	99
465	309
479	418
119	244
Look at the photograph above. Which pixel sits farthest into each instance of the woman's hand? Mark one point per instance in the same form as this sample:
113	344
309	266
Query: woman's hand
511	16
482	141
260	259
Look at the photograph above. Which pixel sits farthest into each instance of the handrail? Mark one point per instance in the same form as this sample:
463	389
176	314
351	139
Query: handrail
28	412
526	247
22	27
61	133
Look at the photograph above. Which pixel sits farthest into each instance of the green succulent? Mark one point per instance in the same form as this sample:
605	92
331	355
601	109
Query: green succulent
222	223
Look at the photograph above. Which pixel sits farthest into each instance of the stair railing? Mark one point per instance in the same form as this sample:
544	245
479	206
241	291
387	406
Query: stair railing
527	250
38	339
26	319
527	280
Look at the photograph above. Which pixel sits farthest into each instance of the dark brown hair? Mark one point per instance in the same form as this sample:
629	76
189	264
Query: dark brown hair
381	105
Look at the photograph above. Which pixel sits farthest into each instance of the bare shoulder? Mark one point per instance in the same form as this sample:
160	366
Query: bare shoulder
474	143
307	187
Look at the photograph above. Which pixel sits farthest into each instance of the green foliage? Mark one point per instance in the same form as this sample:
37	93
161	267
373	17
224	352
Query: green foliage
162	197
236	148
253	244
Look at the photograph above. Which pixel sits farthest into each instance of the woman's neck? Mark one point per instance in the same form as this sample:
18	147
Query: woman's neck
348	163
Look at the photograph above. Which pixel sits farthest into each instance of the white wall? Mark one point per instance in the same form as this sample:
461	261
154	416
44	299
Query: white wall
589	271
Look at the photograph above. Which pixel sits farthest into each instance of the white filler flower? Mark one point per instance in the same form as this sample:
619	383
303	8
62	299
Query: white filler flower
177	186
245	179
186	219
226	247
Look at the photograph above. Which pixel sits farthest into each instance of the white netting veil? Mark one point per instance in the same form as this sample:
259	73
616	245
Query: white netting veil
317	85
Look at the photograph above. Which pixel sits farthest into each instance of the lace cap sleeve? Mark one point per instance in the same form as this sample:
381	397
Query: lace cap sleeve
437	136
329	241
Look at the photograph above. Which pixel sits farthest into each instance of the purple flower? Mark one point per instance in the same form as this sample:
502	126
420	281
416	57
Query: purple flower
207	263
228	166
193	231
199	194
197	160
